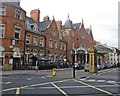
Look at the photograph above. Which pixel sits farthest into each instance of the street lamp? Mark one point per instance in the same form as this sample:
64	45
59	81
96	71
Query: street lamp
73	61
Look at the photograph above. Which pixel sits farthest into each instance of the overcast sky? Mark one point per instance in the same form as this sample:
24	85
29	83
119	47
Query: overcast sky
102	15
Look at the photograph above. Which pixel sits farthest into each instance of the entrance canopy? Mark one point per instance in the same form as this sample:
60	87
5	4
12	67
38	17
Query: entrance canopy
81	50
103	49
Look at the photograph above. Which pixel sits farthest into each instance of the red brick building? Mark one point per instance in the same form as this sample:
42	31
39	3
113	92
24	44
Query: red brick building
78	38
35	43
55	45
48	38
12	35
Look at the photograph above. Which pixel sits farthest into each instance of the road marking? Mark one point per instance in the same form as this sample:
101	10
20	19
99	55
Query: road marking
24	86
18	91
111	81
100	80
93	87
7	82
49	82
92	80
1	82
9	89
63	92
29	78
49	76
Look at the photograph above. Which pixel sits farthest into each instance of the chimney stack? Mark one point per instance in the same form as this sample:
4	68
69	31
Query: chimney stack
59	25
46	18
35	15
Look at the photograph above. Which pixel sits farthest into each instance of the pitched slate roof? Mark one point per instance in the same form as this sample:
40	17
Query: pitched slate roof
44	25
68	24
76	25
30	20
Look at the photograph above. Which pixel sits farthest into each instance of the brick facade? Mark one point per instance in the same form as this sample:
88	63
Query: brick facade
11	42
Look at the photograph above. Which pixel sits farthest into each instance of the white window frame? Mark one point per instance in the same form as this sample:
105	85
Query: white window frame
17	32
41	42
35	27
27	25
35	38
1	10
64	46
20	14
55	44
50	43
2	31
41	52
61	47
28	39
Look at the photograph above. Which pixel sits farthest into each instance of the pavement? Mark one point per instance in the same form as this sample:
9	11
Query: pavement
60	73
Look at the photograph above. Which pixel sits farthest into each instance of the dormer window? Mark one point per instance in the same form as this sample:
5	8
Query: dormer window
27	25
34	27
18	14
2	10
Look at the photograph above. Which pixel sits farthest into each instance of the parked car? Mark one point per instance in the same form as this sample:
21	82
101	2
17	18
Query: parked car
87	67
98	67
77	65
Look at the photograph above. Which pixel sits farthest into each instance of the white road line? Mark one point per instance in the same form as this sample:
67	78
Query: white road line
29	78
83	79
91	80
1	82
111	81
100	80
93	87
18	91
49	82
63	92
7	83
24	86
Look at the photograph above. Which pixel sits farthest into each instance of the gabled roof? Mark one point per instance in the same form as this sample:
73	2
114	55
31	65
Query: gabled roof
44	25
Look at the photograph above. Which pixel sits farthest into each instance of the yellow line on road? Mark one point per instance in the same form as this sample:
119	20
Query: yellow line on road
9	89
63	92
18	91
93	87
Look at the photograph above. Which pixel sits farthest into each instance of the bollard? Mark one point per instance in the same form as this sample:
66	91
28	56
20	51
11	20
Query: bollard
53	71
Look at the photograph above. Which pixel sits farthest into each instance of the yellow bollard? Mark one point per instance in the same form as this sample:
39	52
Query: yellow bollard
54	72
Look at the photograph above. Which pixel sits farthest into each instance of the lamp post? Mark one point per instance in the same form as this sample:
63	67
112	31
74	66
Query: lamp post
73	61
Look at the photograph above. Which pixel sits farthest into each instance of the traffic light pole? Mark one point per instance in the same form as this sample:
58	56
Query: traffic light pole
73	61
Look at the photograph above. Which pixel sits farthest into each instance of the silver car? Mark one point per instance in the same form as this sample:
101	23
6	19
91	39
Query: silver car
87	67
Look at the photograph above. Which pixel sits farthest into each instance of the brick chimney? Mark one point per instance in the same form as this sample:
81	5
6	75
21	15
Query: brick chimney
59	25
35	15
46	18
